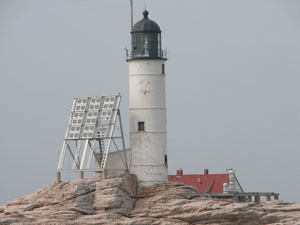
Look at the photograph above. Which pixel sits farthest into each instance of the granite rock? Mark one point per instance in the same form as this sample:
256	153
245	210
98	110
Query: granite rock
118	200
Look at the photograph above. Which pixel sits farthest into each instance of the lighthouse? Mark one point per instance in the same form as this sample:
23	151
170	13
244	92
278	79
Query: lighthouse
147	103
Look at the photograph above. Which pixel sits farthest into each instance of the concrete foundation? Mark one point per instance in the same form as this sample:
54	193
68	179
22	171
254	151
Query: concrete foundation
58	180
104	174
80	175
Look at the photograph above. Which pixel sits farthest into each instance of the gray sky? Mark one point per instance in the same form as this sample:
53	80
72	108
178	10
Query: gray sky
232	84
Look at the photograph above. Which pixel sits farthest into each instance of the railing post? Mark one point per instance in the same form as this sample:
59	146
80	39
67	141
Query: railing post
249	198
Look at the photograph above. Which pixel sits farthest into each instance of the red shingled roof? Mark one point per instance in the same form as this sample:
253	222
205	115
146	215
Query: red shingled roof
213	183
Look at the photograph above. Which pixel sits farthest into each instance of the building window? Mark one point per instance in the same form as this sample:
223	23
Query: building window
163	68
166	161
141	126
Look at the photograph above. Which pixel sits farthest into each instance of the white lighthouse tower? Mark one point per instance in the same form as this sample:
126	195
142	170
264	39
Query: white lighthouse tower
147	104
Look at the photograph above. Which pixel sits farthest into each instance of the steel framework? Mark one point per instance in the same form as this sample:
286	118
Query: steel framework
90	132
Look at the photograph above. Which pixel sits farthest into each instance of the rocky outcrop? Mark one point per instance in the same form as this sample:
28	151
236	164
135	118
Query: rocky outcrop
118	200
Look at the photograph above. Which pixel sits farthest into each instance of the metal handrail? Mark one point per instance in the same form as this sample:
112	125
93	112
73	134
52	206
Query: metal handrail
162	55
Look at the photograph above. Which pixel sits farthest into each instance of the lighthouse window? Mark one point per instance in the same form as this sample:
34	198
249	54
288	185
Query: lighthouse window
163	68
141	126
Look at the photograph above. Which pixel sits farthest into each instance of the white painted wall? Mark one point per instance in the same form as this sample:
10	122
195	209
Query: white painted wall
147	103
116	161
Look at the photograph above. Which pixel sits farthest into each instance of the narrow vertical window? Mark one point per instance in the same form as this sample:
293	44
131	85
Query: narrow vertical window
146	47
141	126
163	68
159	47
166	161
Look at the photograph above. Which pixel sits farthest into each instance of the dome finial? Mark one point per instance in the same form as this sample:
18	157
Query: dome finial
146	13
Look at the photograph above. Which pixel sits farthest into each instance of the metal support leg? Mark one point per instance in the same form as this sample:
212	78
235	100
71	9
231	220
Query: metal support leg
62	156
123	141
84	154
76	161
91	153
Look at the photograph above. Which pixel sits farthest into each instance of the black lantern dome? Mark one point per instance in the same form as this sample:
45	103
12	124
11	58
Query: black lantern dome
146	39
146	25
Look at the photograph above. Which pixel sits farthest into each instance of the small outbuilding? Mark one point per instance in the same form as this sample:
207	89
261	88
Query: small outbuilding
209	183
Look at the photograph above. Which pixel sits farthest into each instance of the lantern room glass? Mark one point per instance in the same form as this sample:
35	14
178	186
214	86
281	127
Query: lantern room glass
146	45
